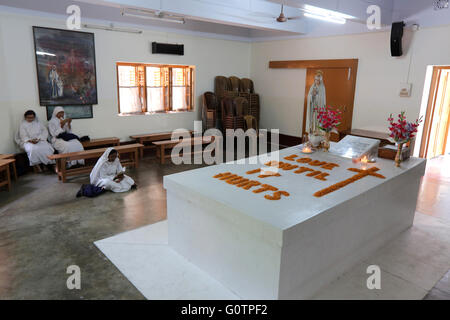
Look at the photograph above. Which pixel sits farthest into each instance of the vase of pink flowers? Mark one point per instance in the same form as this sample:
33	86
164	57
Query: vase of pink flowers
328	120
401	132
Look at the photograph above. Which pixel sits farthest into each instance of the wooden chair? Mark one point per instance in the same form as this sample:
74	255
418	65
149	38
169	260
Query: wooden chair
4	168
246	85
209	111
12	164
235	83
221	84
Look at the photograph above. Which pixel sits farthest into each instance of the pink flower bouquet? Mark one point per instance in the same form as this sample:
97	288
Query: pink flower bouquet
402	131
328	119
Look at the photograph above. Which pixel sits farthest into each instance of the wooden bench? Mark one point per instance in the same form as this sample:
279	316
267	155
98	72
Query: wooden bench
61	159
103	142
161	146
149	138
13	164
4	167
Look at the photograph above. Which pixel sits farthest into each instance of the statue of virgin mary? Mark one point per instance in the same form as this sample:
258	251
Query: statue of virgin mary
316	99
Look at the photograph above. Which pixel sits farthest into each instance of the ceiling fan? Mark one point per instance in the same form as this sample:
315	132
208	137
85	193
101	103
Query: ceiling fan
309	11
282	18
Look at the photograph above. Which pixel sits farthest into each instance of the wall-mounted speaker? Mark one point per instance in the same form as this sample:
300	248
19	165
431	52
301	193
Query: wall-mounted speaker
167	48
396	39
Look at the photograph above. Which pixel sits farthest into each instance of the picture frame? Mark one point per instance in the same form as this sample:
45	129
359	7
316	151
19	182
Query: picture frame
65	66
73	112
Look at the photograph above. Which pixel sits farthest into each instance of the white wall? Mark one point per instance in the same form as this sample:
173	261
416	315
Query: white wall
378	80
19	85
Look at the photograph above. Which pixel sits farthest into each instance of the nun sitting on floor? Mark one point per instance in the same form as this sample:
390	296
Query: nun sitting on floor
108	173
32	137
63	140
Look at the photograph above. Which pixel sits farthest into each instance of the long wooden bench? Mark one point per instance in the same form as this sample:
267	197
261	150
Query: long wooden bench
13	163
161	146
4	167
61	159
151	137
103	142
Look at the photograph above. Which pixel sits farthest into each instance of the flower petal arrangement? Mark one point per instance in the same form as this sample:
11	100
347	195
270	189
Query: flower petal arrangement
402	131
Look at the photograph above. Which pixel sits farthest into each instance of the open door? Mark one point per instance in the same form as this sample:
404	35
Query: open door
437	120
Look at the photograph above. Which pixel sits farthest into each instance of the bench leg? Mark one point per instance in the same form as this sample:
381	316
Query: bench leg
141	150
136	159
162	154
63	169
8	177
14	170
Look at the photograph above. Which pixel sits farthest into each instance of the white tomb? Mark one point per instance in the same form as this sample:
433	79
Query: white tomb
288	249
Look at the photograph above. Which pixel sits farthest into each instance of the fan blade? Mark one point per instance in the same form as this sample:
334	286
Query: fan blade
365	22
262	15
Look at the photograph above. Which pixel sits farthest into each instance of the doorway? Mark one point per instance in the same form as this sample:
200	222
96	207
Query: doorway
339	79
435	139
339	86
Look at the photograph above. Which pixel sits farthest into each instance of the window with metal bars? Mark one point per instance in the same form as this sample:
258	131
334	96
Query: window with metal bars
152	88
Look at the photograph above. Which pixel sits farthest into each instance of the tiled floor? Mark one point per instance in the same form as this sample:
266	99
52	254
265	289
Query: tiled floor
434	200
44	229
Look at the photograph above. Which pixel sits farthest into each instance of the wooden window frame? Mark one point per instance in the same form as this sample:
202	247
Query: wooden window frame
168	108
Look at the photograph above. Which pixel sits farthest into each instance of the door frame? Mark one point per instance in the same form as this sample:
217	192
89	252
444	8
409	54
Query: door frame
351	64
431	107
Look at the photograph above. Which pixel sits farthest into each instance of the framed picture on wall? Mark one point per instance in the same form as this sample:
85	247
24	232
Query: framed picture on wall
73	112
65	63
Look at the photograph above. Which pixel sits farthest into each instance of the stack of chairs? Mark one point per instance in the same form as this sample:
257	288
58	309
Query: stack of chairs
232	116
232	88
209	110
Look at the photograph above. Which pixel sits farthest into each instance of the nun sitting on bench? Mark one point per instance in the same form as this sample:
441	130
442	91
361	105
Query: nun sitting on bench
62	138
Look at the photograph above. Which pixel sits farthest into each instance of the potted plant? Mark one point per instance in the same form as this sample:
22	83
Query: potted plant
402	132
328	120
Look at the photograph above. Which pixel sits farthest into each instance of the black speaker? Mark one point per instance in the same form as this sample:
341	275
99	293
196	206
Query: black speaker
167	48
396	39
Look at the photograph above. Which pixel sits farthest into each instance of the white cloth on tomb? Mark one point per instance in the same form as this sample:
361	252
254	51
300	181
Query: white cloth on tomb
54	127
37	153
105	171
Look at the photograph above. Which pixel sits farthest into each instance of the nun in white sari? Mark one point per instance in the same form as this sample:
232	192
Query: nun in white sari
32	136
58	125
108	173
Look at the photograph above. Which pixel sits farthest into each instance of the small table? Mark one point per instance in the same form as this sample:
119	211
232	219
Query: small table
13	164
4	166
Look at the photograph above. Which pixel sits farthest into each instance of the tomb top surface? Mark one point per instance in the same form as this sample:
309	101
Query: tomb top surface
301	204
